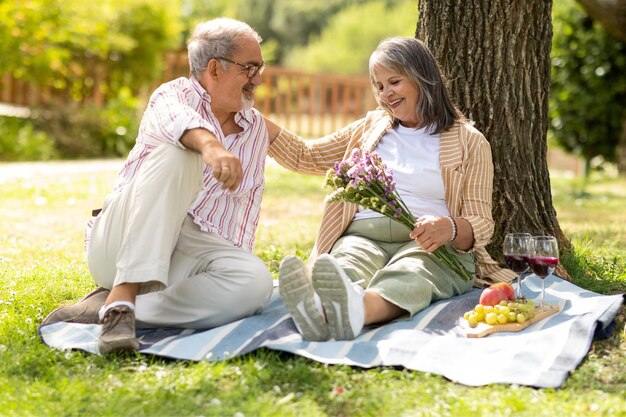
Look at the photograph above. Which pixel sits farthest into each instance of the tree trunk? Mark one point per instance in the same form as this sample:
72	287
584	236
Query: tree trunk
496	54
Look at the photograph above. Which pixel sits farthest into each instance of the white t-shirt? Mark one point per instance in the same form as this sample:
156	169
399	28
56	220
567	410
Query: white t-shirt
413	157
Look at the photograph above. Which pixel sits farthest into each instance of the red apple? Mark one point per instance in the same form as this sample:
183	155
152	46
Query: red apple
507	288
492	296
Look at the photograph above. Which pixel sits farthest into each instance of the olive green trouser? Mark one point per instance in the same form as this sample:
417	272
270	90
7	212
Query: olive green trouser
380	252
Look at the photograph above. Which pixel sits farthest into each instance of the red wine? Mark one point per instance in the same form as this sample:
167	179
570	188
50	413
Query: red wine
543	266
517	263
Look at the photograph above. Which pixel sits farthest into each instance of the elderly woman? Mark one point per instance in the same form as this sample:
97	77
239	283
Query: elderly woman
367	268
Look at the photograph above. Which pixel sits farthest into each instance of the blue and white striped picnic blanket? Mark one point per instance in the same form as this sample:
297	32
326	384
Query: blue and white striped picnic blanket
433	341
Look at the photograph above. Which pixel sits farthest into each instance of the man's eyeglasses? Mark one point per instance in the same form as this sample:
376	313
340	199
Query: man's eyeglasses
253	70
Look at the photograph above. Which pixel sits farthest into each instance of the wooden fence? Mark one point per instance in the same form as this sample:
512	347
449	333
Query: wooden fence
310	104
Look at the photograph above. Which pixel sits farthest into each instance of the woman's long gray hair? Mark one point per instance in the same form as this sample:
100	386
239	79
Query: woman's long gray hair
412	58
216	38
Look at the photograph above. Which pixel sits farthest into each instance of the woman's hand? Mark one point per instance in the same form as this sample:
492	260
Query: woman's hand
431	232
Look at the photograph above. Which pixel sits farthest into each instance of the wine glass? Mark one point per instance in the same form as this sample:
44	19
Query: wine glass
544	256
515	249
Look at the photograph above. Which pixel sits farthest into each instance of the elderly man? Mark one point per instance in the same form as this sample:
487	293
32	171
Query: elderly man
174	239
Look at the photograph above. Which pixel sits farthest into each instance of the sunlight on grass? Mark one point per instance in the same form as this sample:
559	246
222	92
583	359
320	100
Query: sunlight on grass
42	266
595	212
291	210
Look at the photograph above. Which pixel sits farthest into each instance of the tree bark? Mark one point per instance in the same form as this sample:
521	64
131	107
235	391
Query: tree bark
496	55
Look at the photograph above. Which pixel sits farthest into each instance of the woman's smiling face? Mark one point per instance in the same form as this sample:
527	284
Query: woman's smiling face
398	93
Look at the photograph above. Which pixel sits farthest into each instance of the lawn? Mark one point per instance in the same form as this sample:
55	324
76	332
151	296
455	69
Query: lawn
44	207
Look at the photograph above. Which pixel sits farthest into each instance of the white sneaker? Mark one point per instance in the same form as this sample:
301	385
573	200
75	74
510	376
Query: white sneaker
305	307
342	299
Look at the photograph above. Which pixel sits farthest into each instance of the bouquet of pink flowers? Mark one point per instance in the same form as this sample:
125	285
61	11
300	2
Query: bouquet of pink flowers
365	180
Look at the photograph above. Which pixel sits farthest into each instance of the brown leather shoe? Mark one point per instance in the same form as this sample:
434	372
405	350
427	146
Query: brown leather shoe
85	311
118	330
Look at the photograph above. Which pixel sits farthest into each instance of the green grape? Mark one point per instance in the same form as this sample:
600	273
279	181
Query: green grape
491	318
480	316
519	310
528	308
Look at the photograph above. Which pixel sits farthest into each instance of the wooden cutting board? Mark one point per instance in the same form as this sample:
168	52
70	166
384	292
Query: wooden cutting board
484	329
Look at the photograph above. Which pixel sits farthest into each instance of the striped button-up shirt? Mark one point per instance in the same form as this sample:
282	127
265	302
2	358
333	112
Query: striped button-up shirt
181	105
466	168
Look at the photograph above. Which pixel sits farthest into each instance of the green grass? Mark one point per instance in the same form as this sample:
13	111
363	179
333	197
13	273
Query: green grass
42	265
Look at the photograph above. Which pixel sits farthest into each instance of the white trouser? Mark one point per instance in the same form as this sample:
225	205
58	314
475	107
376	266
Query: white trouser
189	278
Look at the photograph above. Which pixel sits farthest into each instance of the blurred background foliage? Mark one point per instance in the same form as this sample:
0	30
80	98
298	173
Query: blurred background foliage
345	44
107	48
53	43
588	97
333	36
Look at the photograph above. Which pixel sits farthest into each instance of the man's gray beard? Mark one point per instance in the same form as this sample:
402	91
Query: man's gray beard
247	103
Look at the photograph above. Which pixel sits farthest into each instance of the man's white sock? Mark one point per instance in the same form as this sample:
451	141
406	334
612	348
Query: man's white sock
106	308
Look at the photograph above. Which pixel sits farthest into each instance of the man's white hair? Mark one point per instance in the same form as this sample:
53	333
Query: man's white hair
216	38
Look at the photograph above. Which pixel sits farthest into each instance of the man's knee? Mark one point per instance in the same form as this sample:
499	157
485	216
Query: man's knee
260	284
183	161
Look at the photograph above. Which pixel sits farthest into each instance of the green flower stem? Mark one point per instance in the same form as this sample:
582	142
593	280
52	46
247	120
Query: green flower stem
442	252
353	195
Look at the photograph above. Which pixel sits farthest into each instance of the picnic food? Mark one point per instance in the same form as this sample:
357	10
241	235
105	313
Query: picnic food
518	310
492	295
507	288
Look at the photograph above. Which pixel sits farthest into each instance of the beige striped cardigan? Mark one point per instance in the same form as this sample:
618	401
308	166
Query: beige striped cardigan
466	167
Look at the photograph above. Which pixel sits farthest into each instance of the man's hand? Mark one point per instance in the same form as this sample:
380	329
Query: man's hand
431	232
226	166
